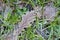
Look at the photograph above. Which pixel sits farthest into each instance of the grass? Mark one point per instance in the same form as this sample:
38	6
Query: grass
37	30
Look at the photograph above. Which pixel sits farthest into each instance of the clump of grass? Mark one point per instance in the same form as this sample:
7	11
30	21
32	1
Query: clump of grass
38	30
